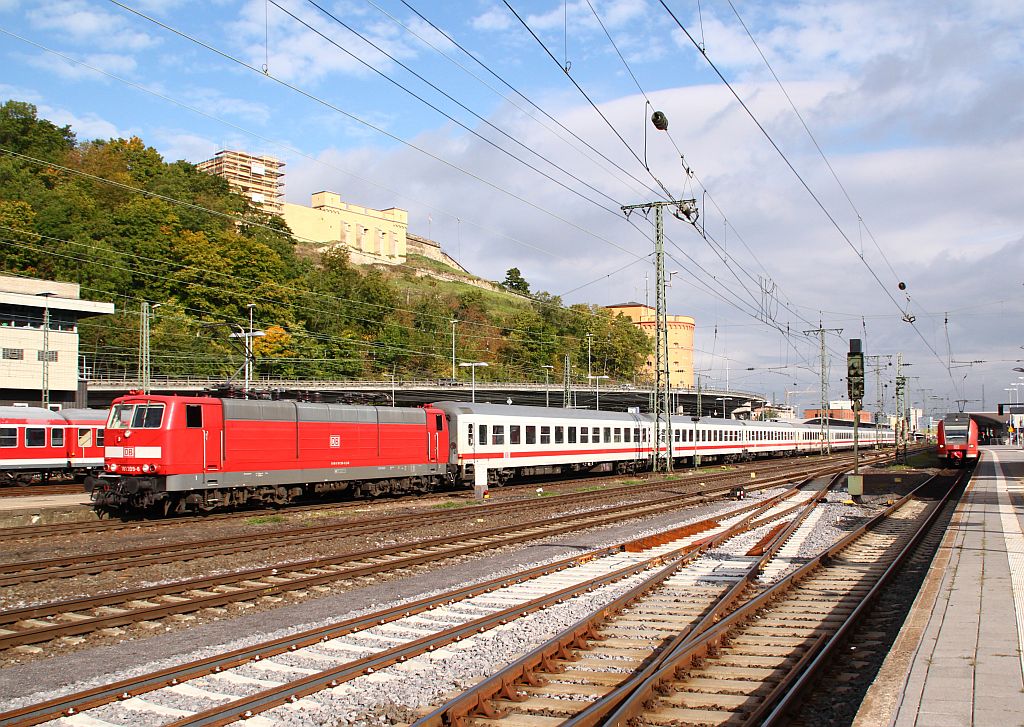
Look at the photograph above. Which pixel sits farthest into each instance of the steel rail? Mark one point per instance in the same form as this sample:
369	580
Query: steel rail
69	566
476	701
700	646
248	706
74	703
43	569
807	674
302	574
43	530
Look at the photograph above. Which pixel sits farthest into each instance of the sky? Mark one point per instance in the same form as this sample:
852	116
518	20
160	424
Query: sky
834	151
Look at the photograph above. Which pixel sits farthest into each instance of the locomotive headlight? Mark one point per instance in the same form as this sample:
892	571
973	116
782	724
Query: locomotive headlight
112	467
127	433
145	468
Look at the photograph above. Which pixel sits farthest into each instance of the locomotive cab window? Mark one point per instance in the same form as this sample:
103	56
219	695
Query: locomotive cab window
8	437
193	416
35	437
136	416
57	437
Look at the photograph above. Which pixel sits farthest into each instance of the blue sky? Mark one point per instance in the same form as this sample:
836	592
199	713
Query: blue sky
915	104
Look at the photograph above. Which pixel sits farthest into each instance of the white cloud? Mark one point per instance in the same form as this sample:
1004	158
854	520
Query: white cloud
115	63
86	126
175	145
492	19
81	22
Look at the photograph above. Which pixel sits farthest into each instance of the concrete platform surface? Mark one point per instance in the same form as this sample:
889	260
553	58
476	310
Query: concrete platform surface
35	510
965	656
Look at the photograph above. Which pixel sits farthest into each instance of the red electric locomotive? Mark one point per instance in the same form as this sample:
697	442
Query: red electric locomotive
38	443
958	439
172	454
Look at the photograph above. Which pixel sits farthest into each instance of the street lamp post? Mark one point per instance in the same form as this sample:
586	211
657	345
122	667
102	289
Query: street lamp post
454	322
472	369
590	340
597	390
547	392
248	352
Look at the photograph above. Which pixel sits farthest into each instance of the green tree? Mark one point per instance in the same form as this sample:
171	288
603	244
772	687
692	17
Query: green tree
515	282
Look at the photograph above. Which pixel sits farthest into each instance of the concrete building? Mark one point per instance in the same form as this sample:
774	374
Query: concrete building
371	236
257	177
680	341
26	352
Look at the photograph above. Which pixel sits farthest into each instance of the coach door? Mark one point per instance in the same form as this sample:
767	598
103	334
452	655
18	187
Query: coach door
435	435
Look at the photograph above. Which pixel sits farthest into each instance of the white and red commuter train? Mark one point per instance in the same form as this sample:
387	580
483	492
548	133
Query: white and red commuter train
38	443
957	439
172	454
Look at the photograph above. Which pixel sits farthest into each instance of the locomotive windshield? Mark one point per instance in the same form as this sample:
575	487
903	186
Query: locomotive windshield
136	416
955	434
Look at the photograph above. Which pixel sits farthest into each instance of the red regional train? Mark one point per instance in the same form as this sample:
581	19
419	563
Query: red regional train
171	454
958	439
38	443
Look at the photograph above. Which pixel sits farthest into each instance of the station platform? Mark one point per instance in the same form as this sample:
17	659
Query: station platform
45	509
959	658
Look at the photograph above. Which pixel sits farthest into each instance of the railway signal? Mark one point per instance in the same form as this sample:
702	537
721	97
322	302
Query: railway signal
855	388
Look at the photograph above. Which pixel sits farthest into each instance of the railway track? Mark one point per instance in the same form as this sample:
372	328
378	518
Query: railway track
73	488
694	658
43	622
707	475
361	646
12	574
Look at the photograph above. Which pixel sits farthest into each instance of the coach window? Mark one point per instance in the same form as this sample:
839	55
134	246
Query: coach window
559	435
35	437
584	435
8	437
636	434
194	416
483	435
607	435
84	438
513	434
498	436
531	434
545	435
572	435
99	437
469	435
618	434
57	437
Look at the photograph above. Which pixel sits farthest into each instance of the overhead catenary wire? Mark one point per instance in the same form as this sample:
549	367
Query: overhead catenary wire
799	177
